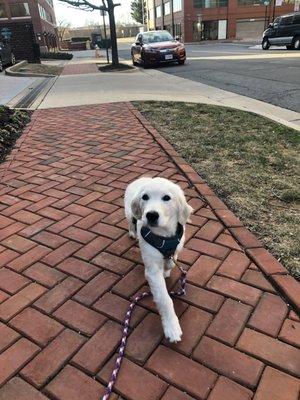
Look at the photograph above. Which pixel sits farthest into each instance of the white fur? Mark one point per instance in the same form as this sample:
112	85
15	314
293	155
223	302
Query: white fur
156	267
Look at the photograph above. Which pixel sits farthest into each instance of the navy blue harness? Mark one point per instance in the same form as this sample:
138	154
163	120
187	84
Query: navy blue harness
165	245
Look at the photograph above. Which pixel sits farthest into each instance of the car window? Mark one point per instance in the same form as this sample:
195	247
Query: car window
286	20
276	21
156	37
296	19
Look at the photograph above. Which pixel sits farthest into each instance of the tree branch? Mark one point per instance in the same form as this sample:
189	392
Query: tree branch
86	5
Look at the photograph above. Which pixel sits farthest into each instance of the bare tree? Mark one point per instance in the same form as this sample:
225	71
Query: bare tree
109	7
62	29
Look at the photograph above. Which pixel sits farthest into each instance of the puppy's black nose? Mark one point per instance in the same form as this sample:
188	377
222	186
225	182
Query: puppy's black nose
152	216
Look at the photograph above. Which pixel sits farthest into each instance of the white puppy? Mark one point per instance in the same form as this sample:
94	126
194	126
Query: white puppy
157	211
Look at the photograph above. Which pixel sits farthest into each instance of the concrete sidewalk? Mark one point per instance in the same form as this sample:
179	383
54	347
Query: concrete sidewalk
68	271
12	86
79	88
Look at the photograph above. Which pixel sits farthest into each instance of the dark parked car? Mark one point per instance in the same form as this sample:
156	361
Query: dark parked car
154	47
284	31
6	55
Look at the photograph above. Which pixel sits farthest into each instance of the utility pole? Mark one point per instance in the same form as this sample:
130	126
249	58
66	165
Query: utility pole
143	14
274	5
172	17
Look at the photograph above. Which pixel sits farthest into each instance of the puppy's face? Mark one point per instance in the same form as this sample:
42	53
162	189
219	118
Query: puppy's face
160	204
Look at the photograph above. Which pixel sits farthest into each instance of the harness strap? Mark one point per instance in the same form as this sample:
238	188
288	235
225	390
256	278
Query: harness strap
165	245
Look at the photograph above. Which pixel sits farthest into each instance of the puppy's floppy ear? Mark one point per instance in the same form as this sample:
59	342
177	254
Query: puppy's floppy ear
136	208
185	210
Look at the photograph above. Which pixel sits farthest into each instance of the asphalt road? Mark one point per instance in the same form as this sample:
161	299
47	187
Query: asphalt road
272	76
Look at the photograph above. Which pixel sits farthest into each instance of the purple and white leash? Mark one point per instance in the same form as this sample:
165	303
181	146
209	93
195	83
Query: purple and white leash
114	374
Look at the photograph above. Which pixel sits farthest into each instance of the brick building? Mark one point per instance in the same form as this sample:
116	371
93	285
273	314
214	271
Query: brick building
196	20
29	20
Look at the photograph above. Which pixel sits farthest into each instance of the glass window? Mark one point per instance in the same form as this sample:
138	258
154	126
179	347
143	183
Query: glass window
151	14
167	8
296	19
158	11
287	20
155	37
19	10
211	3
177	5
44	14
3	13
249	2
177	29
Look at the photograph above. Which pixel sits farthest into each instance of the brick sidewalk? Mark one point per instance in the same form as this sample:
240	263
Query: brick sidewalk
68	270
75	69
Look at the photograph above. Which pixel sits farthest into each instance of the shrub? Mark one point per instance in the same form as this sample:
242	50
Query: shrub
57	56
12	123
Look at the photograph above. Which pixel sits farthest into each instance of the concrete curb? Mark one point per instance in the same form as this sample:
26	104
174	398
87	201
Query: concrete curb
273	270
11	71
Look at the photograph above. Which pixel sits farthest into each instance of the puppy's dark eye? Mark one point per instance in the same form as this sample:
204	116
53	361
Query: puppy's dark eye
145	197
166	197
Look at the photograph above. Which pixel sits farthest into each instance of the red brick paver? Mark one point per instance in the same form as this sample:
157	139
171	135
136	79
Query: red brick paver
68	271
84	68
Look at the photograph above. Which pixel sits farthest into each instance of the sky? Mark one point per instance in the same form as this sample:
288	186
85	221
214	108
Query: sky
77	18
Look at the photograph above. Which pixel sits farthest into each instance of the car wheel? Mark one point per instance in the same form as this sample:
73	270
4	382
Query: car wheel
1	65
289	47
12	59
265	44
296	43
181	62
132	59
145	64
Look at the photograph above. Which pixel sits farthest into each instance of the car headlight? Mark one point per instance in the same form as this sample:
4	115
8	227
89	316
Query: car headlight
180	47
149	50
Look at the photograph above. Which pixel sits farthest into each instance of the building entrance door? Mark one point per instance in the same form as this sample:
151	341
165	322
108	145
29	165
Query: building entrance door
209	30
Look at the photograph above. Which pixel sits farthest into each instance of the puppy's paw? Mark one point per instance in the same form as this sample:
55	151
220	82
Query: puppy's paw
172	331
132	234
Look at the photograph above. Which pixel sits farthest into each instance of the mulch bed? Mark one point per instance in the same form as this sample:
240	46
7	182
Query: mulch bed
12	123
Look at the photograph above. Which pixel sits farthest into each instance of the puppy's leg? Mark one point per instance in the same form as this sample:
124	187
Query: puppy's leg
164	303
168	266
132	228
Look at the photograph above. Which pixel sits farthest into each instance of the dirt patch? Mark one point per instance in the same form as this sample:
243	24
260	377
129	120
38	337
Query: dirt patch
115	68
40	69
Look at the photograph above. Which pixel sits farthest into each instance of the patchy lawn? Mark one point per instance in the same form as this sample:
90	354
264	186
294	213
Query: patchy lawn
41	69
249	161
12	123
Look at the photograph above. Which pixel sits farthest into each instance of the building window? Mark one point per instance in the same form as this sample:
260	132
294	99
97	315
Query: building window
50	2
3	13
151	14
158	11
177	30
249	3
19	10
212	3
177	5
167	8
44	14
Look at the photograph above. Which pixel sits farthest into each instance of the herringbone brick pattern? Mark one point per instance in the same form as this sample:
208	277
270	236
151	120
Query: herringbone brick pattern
68	270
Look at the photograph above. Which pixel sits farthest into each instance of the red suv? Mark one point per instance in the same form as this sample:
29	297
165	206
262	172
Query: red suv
154	47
